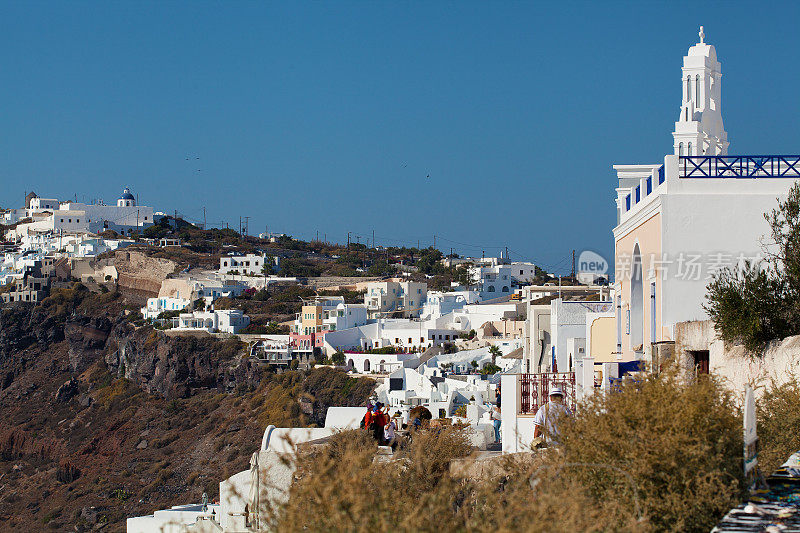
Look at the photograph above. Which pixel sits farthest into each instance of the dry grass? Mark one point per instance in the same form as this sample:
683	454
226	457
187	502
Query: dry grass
778	424
660	455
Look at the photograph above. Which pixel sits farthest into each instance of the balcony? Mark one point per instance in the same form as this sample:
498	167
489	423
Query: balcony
739	166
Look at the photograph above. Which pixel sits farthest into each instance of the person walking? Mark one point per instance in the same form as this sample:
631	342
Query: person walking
548	417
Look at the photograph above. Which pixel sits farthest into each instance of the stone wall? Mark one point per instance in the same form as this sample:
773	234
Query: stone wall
732	363
140	274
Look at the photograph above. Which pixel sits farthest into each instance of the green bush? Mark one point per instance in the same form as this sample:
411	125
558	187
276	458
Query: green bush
761	302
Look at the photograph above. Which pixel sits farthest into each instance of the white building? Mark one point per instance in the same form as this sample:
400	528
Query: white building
495	278
222	321
75	217
682	221
374	363
248	265
474	316
156	306
388	297
568	330
440	303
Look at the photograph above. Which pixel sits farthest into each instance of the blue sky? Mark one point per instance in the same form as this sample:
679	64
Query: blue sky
313	116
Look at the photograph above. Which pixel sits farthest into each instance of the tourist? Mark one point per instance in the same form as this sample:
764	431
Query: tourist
547	418
367	420
495	417
377	423
389	437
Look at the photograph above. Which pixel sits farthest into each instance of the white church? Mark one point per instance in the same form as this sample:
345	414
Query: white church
682	220
52	216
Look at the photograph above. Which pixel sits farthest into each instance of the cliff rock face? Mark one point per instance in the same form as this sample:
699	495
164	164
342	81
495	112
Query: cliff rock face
87	340
171	366
22	326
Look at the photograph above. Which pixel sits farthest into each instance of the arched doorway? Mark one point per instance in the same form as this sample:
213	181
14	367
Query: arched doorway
351	364
636	302
366	365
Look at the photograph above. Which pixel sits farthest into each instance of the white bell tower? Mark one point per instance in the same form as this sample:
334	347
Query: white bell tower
699	130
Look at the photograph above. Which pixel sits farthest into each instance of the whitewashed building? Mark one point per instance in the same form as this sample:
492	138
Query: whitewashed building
222	321
440	303
496	278
76	217
156	306
681	221
247	265
388	297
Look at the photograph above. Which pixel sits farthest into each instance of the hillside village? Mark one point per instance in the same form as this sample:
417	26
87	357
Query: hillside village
410	329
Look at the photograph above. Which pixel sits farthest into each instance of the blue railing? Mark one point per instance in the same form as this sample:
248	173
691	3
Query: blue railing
739	166
638	194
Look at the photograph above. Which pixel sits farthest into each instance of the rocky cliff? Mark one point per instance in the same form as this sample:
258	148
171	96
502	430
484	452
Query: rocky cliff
102	420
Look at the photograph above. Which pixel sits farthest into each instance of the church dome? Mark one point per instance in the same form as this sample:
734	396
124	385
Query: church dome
126	194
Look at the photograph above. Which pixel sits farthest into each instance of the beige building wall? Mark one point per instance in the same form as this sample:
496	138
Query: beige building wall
177	288
310	317
647	236
602	338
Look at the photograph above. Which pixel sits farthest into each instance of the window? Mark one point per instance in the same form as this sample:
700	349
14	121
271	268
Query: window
697	91
680	149
689	149
491	288
409	340
520	272
688	87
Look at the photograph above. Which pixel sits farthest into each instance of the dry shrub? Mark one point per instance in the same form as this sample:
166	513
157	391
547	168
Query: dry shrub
658	455
680	442
341	488
778	412
539	495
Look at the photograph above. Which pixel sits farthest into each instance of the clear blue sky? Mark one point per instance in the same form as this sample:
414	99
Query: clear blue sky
312	116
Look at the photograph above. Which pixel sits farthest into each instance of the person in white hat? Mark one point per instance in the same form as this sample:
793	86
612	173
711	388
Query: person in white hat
547	417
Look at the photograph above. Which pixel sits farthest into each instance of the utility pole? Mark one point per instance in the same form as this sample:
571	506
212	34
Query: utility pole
317	237
348	239
246	224
506	253
240	225
373	237
204	217
573	264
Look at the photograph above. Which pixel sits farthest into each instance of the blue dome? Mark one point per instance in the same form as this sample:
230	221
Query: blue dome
126	195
